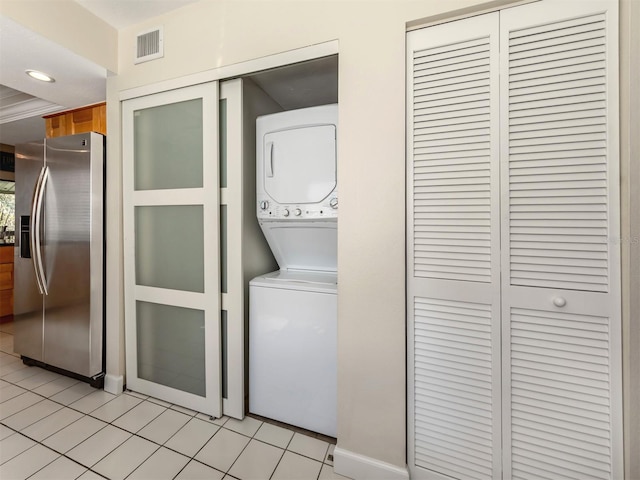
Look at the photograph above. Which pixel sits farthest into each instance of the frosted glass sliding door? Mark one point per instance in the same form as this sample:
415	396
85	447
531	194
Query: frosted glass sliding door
171	215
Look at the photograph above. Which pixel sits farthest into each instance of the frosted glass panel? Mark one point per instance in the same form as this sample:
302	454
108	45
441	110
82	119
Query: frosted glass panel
223	142
224	275
168	146
170	247
170	343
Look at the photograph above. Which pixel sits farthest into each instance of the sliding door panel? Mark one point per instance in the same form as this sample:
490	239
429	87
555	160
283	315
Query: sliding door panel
171	198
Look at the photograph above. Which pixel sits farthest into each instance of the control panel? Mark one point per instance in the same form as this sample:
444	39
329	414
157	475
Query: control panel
328	208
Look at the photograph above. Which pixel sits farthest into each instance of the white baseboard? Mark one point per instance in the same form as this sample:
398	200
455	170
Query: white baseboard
360	467
114	384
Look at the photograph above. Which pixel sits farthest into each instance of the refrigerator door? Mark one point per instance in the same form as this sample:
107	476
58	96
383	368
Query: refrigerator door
28	314
72	253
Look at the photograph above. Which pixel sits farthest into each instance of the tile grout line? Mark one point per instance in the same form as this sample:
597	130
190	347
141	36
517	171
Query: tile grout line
62	406
160	405
49	398
279	461
140	429
68	458
77	445
143	461
241	452
47	447
154	418
193	457
284	450
191	414
44	466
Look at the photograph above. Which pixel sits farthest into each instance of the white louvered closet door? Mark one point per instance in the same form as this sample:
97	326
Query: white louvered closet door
453	251
560	258
513	288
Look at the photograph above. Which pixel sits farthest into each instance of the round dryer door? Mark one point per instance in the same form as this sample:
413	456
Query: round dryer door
300	164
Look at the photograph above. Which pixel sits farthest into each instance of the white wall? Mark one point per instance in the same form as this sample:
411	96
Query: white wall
371	35
630	245
69	25
371	171
371	255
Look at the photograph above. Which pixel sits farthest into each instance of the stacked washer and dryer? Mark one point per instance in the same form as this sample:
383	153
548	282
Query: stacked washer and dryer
293	311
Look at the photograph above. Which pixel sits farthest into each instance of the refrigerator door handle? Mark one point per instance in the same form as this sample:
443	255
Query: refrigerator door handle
32	229
37	209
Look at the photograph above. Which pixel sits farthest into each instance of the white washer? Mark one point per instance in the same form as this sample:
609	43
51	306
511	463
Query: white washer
292	345
293	312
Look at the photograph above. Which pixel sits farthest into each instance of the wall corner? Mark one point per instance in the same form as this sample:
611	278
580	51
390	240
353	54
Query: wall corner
356	466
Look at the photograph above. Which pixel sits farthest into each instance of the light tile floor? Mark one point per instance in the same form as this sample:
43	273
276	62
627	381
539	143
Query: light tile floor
54	427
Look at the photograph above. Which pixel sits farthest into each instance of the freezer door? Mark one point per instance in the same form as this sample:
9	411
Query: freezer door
27	302
72	251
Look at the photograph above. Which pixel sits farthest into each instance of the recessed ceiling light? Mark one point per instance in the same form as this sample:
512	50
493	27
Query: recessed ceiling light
43	77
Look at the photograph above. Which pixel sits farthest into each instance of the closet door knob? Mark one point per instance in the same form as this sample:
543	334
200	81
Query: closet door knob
559	302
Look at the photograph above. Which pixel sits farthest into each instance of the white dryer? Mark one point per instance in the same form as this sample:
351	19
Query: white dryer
293	312
297	187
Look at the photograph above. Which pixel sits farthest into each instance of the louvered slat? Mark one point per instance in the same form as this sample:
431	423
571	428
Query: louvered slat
453	387
545	163
547	414
558	169
451	162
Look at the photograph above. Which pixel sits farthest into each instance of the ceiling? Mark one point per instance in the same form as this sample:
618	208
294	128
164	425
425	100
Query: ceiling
79	82
123	13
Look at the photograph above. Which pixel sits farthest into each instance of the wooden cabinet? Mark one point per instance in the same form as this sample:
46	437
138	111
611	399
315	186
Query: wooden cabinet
6	280
92	118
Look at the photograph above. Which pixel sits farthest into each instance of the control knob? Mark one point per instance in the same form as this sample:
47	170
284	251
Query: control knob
286	212
298	212
333	203
264	205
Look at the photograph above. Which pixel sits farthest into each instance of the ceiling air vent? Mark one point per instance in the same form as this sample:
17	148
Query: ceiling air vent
149	45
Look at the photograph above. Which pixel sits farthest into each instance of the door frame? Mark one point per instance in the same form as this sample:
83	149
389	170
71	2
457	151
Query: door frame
234	404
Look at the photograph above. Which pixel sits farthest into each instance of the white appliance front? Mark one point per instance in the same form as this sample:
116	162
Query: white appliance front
310	245
296	166
292	344
300	164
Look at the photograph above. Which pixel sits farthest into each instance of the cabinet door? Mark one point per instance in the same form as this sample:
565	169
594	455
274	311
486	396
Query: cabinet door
560	257
171	217
453	250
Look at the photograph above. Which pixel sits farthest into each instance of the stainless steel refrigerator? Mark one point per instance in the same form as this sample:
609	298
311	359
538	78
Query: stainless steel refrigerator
59	261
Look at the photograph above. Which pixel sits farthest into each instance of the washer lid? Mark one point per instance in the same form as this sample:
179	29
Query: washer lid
300	164
303	244
321	282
